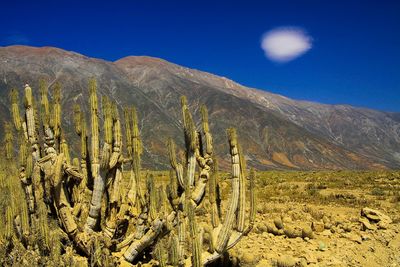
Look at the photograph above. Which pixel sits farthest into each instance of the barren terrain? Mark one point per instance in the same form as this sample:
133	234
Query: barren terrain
331	204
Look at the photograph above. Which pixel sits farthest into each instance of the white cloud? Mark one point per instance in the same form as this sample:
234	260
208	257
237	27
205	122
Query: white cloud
285	44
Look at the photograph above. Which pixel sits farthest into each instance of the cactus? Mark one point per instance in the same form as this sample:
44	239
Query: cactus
15	108
105	221
57	110
8	141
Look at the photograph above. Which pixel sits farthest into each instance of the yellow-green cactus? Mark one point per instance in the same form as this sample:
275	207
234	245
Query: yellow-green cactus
116	225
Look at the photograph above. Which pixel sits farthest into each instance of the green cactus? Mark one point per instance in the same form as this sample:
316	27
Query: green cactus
15	108
8	141
44	102
57	110
105	221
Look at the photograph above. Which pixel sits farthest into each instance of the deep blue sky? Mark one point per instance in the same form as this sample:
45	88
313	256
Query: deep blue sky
355	58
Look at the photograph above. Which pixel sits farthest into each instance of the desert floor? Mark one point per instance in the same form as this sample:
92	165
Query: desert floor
331	204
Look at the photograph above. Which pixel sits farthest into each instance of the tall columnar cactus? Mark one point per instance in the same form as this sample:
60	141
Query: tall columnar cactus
44	102
15	108
103	219
8	141
56	114
99	182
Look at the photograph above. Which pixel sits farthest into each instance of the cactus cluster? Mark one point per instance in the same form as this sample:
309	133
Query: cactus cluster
109	223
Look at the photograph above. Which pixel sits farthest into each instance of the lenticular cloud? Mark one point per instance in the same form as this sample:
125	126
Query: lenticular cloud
285	44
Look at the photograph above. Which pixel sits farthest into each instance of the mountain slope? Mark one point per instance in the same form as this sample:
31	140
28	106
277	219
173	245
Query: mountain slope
276	132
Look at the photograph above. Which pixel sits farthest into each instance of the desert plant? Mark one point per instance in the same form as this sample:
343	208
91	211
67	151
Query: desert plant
105	223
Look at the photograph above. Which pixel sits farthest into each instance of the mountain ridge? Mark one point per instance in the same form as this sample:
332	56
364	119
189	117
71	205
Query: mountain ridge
278	132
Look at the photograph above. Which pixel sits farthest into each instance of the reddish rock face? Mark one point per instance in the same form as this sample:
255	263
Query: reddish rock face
276	132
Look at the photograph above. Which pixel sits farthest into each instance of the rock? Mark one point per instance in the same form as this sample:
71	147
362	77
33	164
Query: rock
365	237
322	246
292	232
366	225
375	216
328	225
354	237
302	262
271	228
326	233
347	227
307	232
318	227
286	219
278	223
286	261
261	227
311	258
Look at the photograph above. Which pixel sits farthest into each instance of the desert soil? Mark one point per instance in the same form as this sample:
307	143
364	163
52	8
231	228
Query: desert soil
330	203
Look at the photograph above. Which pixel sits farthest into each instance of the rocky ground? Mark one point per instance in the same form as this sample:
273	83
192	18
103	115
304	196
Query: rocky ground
323	230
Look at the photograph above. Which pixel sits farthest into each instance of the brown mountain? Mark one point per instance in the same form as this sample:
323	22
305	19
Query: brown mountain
276	132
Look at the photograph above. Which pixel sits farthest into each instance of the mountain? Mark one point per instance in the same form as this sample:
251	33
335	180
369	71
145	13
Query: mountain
275	131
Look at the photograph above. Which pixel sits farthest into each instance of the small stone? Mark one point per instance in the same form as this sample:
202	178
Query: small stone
354	237
328	225
322	246
271	228
365	237
286	261
311	259
347	227
278	223
326	233
292	232
366	225
286	219
307	232
318	227
262	227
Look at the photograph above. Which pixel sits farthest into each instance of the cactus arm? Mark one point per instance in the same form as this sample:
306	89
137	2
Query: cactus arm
136	154
8	141
132	193
146	240
242	193
236	236
128	130
174	164
215	215
57	111
29	114
108	133
65	150
115	177
154	205
44	102
252	216
158	253
194	236
99	181
15	109
226	230
117	140
174	253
